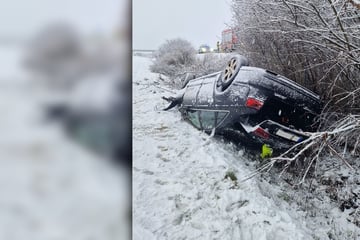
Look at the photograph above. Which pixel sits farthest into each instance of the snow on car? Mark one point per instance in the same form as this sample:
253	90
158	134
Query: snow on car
249	105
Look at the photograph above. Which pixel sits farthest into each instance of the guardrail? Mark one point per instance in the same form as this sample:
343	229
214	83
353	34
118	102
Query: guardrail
143	50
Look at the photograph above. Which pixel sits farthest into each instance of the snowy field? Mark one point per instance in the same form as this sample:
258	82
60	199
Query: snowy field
181	189
50	187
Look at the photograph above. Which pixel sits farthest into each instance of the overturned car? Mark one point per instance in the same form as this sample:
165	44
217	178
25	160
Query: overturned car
250	105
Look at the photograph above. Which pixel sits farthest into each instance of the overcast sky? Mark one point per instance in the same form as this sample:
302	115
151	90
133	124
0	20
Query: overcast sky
198	21
24	17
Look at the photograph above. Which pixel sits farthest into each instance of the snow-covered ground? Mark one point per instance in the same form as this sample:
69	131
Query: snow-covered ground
50	187
179	185
182	187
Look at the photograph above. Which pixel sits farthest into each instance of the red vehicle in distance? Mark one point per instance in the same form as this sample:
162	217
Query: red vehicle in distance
229	40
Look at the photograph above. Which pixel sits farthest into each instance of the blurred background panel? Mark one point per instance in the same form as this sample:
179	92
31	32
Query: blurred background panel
65	105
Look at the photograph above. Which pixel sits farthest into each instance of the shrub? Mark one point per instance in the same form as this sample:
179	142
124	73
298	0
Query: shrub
177	60
172	57
53	49
209	63
316	43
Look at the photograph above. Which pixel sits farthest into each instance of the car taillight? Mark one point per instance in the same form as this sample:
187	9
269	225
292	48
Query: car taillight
254	103
260	132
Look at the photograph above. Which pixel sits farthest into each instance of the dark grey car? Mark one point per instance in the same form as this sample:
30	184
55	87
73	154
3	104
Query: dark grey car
250	105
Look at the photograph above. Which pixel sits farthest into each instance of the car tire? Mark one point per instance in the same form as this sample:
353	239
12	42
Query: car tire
231	70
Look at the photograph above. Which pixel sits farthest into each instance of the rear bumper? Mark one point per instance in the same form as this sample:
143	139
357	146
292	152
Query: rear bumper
275	134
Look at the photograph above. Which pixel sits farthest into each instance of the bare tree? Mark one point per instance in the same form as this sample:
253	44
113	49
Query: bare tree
317	44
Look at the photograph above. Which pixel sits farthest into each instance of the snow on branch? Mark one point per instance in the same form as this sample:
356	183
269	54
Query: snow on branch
315	43
341	137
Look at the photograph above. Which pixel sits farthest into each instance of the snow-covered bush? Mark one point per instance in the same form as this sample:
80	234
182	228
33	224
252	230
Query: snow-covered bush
61	57
316	43
54	52
204	64
177	60
173	57
209	63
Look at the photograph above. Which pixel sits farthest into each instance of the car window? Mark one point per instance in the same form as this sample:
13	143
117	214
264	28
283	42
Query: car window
220	116
207	119
193	117
203	119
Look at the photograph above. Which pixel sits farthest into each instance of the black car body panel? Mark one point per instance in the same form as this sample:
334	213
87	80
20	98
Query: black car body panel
258	106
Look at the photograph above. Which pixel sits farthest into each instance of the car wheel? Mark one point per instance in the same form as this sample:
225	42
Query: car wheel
231	70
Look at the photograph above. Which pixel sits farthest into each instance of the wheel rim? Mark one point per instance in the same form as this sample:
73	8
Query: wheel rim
229	70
